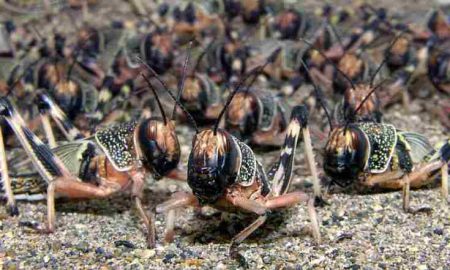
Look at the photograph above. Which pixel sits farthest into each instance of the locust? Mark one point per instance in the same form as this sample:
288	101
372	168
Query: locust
224	173
114	159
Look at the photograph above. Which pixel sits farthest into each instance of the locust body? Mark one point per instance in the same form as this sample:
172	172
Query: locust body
117	158
378	155
257	117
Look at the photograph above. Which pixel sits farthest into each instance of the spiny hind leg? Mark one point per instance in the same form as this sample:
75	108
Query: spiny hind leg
5	179
419	177
49	134
281	173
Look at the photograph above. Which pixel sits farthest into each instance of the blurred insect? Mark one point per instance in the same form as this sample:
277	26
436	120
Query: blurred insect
250	11
194	23
291	24
117	158
438	23
256	116
353	96
202	97
156	48
223	172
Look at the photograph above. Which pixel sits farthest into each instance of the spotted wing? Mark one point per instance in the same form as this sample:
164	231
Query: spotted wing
247	170
382	140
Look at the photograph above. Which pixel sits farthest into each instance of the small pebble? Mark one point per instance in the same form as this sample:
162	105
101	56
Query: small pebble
124	243
438	231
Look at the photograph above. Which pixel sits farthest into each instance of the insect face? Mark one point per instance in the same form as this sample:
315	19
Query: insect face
346	154
211	165
159	146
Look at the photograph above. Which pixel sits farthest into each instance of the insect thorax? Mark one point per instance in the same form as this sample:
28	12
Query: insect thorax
117	142
382	140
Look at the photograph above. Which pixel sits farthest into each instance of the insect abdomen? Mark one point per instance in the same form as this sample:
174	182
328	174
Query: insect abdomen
28	187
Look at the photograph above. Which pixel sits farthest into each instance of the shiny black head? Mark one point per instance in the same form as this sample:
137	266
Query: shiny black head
159	145
212	165
346	155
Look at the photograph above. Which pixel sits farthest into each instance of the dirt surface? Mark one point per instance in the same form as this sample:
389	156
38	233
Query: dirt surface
358	231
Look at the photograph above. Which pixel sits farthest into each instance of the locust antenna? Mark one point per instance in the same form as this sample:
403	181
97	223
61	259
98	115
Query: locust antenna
372	78
319	95
163	114
254	72
156	76
183	79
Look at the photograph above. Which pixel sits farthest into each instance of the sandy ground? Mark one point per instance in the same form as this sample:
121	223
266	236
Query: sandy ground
358	231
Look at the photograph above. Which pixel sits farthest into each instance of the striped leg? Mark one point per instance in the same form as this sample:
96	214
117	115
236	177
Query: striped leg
281	173
49	166
5	181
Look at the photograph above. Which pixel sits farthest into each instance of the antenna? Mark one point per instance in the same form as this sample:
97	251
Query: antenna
189	116
319	96
254	72
202	54
183	79
156	97
368	95
363	101
329	61
156	76
372	78
271	59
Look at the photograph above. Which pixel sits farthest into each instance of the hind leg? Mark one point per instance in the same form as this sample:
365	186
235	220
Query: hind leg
11	202
444	182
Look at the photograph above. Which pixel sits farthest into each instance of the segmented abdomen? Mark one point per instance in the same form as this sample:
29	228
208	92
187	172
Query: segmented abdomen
30	187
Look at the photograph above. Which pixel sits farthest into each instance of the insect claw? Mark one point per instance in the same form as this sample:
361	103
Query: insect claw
319	201
419	210
13	210
234	254
36	227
